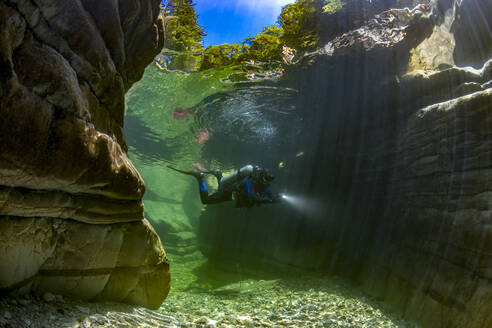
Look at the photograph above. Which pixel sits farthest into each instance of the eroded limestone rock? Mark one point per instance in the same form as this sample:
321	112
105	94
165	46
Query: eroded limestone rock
472	29
64	69
387	31
63	101
121	262
437	50
437	259
427	87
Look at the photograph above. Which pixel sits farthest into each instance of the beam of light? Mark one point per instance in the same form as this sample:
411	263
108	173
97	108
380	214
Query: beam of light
309	207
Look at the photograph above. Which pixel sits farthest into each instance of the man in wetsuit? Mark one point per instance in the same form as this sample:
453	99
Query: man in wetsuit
248	186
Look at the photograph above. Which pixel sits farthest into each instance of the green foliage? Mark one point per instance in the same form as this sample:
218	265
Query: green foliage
182	30
332	6
299	24
266	45
298	28
223	55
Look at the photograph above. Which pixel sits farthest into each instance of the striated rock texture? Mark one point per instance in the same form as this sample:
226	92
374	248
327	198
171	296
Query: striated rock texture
395	173
431	248
355	14
122	262
64	69
472	29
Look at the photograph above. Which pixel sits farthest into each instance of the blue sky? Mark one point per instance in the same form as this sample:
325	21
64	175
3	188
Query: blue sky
231	21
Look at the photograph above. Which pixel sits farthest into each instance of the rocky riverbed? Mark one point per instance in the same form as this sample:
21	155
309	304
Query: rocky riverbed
297	301
55	311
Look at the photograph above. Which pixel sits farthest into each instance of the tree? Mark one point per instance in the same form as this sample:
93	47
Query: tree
181	22
266	45
223	55
300	24
298	28
332	6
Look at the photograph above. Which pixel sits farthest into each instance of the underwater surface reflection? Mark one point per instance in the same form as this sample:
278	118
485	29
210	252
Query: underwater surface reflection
180	120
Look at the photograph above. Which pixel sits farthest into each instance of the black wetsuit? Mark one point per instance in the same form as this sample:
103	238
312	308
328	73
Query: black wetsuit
248	191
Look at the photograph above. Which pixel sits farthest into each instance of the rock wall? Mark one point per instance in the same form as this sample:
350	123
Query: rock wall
64	69
434	244
122	262
428	246
472	29
395	173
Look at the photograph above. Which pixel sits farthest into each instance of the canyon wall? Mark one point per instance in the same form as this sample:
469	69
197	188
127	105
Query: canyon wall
393	167
70	199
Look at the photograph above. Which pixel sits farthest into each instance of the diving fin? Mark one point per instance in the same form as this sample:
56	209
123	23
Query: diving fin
196	174
200	173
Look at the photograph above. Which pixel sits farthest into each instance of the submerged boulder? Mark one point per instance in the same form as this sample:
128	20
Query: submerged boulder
121	262
64	69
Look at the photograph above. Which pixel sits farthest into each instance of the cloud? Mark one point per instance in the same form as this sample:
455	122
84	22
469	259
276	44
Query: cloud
257	5
260	8
265	8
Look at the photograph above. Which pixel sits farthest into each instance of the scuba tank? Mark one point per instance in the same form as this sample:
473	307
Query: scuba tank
236	176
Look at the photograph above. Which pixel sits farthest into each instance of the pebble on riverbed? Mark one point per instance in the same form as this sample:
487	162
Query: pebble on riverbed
307	302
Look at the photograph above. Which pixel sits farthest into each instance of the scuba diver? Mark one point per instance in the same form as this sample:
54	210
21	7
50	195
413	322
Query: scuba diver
248	186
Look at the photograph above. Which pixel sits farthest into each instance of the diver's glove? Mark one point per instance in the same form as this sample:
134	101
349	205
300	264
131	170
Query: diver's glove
277	198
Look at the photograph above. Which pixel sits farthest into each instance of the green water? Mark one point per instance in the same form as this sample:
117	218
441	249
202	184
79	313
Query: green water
156	139
208	295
